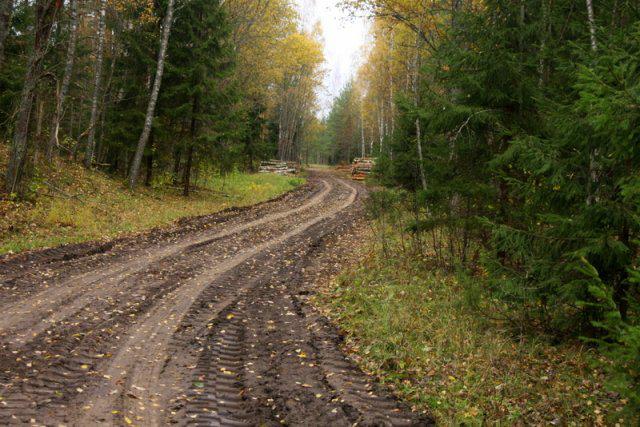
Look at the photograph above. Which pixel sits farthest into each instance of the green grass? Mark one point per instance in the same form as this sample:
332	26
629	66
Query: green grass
71	205
412	327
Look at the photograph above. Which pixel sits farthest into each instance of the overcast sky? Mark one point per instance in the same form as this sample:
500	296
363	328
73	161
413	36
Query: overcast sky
344	40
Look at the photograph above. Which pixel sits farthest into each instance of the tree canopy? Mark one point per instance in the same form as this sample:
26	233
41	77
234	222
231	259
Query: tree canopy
243	73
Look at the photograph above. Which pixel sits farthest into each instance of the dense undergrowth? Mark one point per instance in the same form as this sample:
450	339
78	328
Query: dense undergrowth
454	350
510	135
68	204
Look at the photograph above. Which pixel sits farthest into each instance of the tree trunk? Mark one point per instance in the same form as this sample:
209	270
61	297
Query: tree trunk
66	80
45	17
91	142
546	6
416	100
149	172
423	178
37	136
176	165
362	141
280	130
592	25
6	10
151	107
391	95
381	125
249	149
593	154
148	176
186	180
621	281
194	133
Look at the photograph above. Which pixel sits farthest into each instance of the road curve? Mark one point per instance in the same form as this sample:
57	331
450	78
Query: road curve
203	324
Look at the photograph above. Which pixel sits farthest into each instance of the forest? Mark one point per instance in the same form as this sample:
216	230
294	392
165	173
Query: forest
502	280
508	138
147	88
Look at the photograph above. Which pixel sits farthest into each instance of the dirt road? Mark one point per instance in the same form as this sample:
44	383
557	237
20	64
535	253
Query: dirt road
206	323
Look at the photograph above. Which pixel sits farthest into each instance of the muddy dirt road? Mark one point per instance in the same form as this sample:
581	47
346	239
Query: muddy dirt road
206	323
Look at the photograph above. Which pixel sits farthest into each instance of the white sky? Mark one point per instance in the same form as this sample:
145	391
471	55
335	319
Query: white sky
344	40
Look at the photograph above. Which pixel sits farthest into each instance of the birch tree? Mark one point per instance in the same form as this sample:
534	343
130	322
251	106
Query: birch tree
592	25
66	80
108	92
363	148
151	107
46	13
91	141
416	100
300	74
593	155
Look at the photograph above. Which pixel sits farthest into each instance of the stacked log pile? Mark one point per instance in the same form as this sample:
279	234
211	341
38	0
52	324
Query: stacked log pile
362	167
278	167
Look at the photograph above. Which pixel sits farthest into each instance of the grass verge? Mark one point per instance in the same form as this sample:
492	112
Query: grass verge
412	327
70	205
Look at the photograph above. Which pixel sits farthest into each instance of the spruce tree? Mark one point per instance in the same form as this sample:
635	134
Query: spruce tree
198	92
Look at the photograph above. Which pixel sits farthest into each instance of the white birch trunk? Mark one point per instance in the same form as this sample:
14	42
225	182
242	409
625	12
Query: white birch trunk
592	25
593	167
362	141
91	142
416	100
151	108
391	91
66	80
381	125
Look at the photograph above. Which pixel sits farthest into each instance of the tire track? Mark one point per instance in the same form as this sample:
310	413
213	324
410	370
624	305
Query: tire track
142	379
59	302
216	394
59	364
217	333
79	335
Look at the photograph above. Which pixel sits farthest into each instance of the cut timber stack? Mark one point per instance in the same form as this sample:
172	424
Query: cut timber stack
278	167
362	167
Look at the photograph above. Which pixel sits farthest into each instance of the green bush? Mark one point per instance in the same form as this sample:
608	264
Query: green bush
533	178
